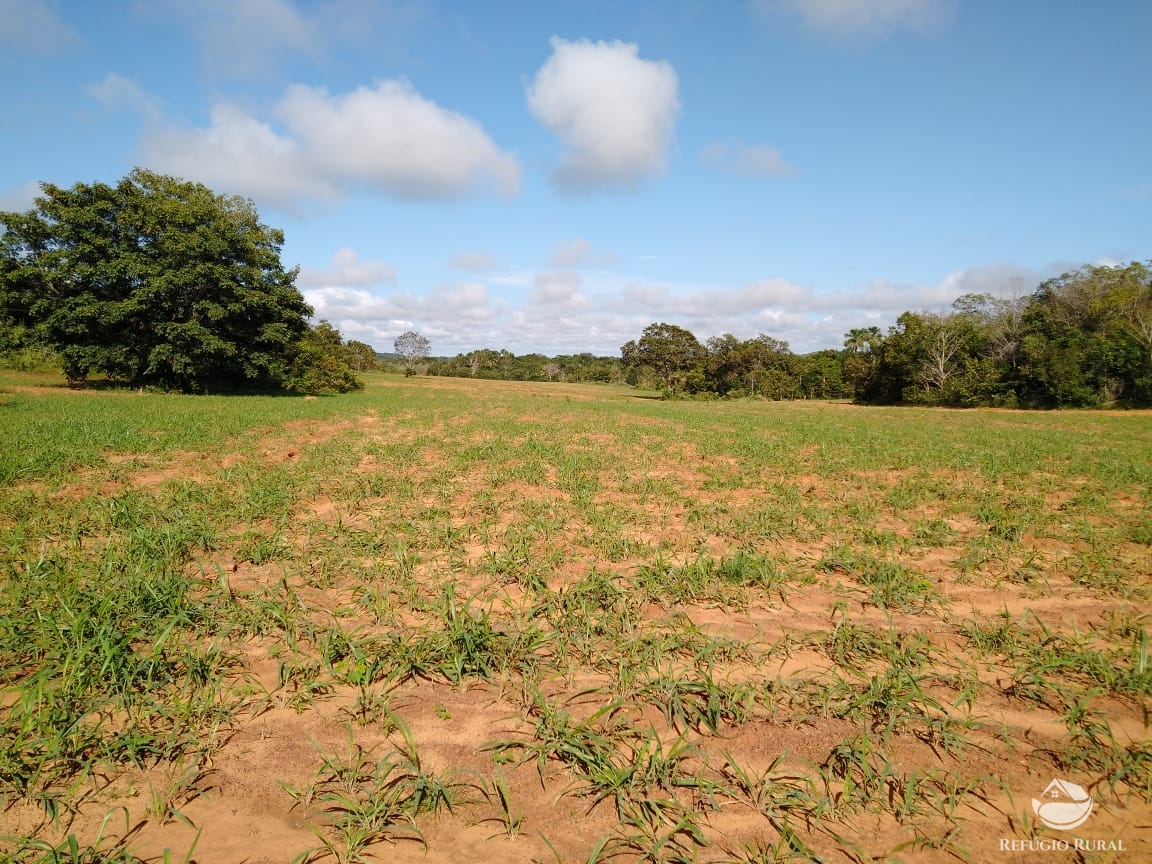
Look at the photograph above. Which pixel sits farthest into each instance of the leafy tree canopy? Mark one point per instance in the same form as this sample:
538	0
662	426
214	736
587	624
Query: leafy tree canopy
155	281
361	355
323	363
666	349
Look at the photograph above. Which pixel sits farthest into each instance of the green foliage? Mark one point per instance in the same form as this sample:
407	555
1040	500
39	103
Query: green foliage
155	281
761	366
1088	339
506	366
361	357
668	350
1082	340
114	667
822	375
728	367
368	800
20	349
322	363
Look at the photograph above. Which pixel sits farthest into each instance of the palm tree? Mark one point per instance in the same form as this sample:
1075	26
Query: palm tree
863	340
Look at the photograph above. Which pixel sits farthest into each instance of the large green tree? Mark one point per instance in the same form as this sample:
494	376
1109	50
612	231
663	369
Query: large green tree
154	281
667	350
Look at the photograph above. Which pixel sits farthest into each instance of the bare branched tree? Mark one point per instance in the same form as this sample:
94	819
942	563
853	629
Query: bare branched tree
942	346
1138	320
478	359
1006	328
412	347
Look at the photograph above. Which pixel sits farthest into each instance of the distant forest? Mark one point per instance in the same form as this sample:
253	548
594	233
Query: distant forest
1083	340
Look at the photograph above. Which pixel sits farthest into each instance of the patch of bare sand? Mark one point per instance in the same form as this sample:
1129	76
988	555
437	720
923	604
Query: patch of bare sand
288	440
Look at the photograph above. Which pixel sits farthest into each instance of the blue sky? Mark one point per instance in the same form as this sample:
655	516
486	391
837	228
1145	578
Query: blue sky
554	176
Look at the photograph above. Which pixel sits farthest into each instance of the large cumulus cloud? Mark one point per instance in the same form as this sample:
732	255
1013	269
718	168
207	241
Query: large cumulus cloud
614	111
386	137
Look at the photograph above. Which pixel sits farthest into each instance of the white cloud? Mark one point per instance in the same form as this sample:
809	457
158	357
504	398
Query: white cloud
386	137
565	312
578	252
999	278
809	319
468	300
558	289
347	270
342	305
749	298
746	159
116	91
393	138
614	111
34	25
842	18
239	154
638	295
21	198
885	297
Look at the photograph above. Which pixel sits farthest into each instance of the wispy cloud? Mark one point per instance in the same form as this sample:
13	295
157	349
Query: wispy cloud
866	18
256	39
347	270
746	159
473	262
244	38
578	252
560	289
117	92
34	25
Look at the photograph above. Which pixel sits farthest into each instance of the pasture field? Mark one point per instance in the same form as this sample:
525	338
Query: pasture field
448	620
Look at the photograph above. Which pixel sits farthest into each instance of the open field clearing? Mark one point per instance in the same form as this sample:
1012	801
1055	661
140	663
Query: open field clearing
446	620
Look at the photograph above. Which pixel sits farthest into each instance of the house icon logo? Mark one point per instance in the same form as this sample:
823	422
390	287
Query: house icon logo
1063	805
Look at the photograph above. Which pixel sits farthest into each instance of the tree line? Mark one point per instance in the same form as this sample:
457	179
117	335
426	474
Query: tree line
720	368
504	365
730	367
1080	340
1083	339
